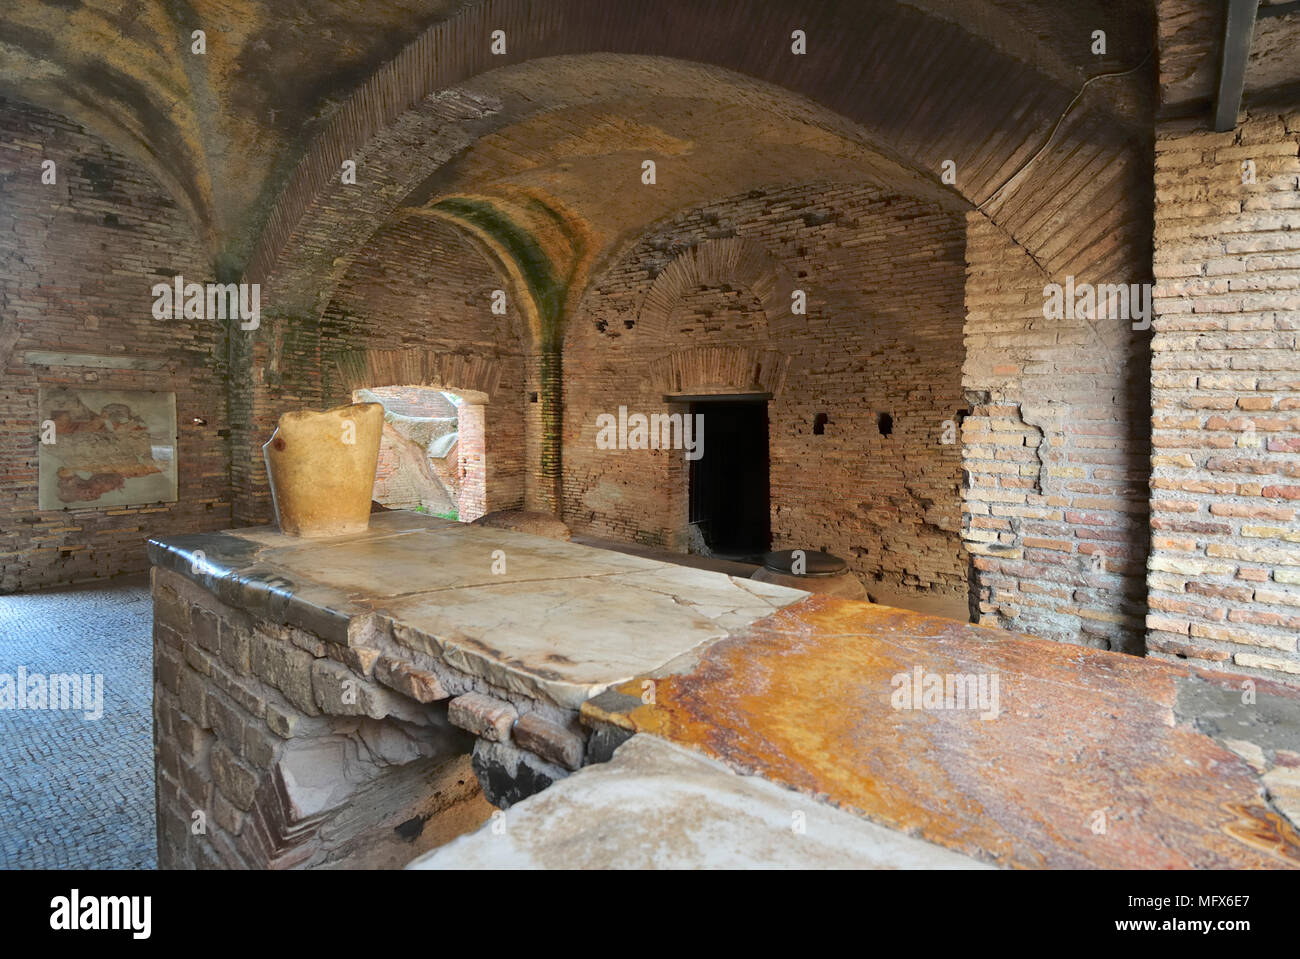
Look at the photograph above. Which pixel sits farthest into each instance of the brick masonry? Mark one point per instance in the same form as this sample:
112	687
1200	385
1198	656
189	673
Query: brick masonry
361	746
275	749
77	261
416	401
1060	478
1055	455
882	335
1224	575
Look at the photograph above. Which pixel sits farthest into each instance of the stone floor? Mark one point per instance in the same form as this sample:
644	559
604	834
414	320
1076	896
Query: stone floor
77	792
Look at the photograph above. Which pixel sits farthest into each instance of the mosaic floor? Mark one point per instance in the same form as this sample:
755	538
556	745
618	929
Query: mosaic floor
78	792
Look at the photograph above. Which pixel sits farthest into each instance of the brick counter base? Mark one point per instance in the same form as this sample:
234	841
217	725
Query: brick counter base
274	751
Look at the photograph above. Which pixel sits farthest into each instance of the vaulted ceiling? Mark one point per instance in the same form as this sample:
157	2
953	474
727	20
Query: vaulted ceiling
1191	50
223	130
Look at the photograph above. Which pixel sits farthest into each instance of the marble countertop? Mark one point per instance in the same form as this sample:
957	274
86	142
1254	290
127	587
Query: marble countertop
537	616
1076	758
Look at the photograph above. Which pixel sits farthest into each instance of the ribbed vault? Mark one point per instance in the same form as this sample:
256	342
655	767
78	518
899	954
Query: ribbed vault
1057	167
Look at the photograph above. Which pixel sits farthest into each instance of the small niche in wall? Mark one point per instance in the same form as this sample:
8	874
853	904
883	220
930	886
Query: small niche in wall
884	423
819	424
532	397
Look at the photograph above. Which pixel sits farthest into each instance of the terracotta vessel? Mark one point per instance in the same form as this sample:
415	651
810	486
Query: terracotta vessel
321	467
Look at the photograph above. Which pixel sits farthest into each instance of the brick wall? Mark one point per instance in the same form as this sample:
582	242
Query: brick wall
1225	562
77	261
1055	453
883	276
287	750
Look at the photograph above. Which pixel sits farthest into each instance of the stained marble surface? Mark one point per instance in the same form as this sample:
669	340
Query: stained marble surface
1083	758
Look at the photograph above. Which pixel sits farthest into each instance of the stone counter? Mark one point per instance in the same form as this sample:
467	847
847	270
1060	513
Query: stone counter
791	743
317	702
365	699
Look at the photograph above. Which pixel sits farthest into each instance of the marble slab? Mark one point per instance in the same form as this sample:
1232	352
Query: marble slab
530	614
1087	758
656	805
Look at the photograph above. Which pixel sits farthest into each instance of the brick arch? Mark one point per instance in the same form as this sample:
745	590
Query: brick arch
487	429
732	261
474	377
1060	173
316	229
720	369
1057	170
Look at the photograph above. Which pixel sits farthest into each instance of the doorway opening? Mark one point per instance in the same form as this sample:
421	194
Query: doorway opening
730	491
430	455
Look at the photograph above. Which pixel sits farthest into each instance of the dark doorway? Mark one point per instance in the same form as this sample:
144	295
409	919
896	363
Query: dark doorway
729	485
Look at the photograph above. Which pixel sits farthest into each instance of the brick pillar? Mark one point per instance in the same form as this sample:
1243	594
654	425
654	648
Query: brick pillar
551	400
471	442
273	369
1224	576
1054	454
